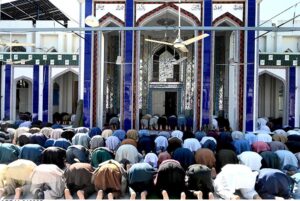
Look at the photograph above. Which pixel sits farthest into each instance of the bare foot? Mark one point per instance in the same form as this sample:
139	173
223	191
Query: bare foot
132	196
235	197
99	195
211	196
256	197
182	196
68	195
80	195
144	195
165	195
199	195
110	196
18	193
1	193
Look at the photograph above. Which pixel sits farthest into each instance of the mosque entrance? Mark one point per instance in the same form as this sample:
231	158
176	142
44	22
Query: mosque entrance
164	102
170	103
23	97
226	76
271	98
221	74
65	96
166	74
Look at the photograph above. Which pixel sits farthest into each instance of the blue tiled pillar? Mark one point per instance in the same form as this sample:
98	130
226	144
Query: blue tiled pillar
45	94
7	92
251	8
128	99
292	95
87	103
35	92
207	21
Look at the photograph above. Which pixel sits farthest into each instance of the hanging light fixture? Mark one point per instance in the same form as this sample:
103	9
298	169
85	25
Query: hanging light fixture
119	57
91	21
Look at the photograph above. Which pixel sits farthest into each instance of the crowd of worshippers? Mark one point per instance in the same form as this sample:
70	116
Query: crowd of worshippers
56	163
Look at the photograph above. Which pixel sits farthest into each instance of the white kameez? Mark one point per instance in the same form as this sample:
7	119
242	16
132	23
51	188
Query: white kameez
235	177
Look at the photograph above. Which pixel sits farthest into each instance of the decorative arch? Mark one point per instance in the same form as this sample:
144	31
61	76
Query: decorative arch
110	18
65	71
191	18
272	75
23	77
228	17
162	48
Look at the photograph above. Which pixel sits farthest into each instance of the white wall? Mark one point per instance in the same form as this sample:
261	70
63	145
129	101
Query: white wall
279	42
63	42
21	36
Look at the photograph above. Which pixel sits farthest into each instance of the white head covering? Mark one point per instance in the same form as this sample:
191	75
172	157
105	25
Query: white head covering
280	132
20	131
251	138
96	141
205	138
192	144
286	158
106	133
250	159
152	159
11	131
47	131
81	139
25	124
161	141
112	143
215	123
265	128
293	132
178	134
129	152
82	130
237	135
261	122
56	133
264	138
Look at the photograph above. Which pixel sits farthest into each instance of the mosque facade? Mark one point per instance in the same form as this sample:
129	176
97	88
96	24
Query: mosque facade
224	74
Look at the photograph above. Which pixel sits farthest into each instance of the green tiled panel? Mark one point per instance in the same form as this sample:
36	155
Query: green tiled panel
279	59
49	59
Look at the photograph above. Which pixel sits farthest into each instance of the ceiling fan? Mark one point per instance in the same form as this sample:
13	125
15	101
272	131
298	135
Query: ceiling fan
179	43
12	44
15	44
22	61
